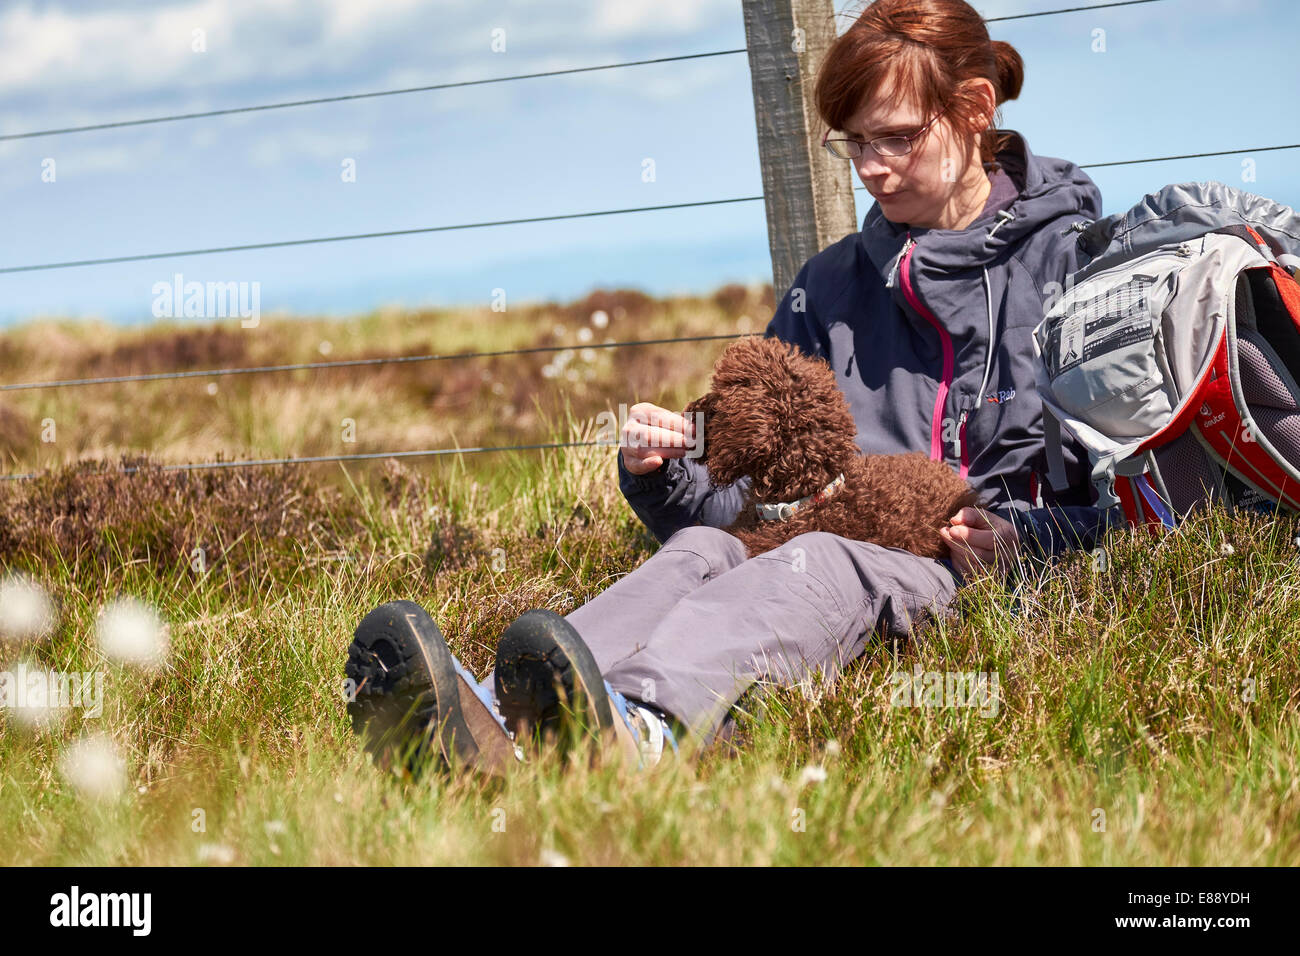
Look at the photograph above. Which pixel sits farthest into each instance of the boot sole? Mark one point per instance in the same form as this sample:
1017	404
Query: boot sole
546	674
406	700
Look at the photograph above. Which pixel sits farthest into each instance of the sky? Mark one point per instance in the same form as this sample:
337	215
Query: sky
1175	77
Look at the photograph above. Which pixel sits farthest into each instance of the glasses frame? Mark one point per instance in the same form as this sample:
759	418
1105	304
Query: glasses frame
857	146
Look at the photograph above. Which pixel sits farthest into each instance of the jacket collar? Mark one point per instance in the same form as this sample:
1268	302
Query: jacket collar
1049	189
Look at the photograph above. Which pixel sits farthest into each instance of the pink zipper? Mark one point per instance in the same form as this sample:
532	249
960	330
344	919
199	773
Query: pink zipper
936	424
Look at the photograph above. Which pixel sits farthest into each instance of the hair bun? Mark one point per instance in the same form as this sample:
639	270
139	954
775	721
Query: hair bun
1010	69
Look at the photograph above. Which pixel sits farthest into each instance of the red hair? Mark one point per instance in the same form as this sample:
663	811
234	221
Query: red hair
930	48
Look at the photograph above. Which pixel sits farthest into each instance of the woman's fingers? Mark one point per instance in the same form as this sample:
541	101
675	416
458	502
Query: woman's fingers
652	434
973	548
983	534
975	518
656	439
979	539
646	414
640	466
966	560
980	555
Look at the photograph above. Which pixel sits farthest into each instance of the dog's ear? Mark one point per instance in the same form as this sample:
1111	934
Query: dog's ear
780	418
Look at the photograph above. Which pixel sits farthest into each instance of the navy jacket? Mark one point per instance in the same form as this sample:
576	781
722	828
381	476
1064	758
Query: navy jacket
930	334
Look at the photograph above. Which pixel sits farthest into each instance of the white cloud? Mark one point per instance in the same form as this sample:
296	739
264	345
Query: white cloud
620	18
53	49
111	60
121	54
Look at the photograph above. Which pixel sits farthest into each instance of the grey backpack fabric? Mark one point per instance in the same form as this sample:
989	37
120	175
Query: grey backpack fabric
1173	355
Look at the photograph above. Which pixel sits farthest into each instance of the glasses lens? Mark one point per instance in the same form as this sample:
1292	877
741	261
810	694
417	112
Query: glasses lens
892	146
843	148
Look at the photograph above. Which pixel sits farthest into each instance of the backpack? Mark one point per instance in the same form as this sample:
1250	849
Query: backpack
1173	356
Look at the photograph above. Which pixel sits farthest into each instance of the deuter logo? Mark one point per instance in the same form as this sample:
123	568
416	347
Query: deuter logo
1205	410
75	908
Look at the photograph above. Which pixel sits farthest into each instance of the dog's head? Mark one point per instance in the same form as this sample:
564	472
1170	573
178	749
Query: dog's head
777	415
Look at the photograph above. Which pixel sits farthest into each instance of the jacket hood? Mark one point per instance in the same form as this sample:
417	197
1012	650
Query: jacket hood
1049	189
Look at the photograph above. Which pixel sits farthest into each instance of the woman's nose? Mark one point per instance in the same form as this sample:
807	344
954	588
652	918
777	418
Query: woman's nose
870	166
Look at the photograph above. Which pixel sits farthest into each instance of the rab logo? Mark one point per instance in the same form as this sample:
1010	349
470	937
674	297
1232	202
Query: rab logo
1002	397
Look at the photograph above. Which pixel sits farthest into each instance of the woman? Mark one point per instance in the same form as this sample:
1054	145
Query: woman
926	316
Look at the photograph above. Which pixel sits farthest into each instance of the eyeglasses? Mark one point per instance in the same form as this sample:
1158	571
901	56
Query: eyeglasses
883	145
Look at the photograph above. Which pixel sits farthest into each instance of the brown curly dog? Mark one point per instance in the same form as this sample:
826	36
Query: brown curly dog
777	415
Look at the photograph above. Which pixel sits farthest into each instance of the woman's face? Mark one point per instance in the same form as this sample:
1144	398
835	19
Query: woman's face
940	184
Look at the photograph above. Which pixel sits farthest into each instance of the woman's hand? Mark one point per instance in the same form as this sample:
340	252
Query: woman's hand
978	538
652	435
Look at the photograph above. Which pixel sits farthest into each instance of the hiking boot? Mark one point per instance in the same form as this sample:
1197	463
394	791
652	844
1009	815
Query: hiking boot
411	701
546	679
548	684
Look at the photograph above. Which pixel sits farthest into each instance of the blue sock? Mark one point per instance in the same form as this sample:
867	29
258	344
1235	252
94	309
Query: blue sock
622	703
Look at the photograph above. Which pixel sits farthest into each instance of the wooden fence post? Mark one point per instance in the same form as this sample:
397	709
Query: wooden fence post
807	195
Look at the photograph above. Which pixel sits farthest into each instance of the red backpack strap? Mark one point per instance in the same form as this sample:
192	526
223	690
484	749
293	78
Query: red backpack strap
1128	500
1288	290
1142	505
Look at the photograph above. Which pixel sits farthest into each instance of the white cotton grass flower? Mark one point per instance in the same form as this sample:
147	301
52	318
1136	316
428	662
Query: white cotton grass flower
600	319
551	857
813	773
26	611
25	697
94	768
584	335
1226	548
131	632
217	853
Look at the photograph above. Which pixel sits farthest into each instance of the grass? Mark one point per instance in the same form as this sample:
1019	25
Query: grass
1147	710
418	405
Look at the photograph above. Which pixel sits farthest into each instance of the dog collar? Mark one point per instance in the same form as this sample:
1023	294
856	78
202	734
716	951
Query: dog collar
784	510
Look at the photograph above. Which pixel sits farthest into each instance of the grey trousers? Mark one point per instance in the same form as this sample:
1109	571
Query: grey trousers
698	623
